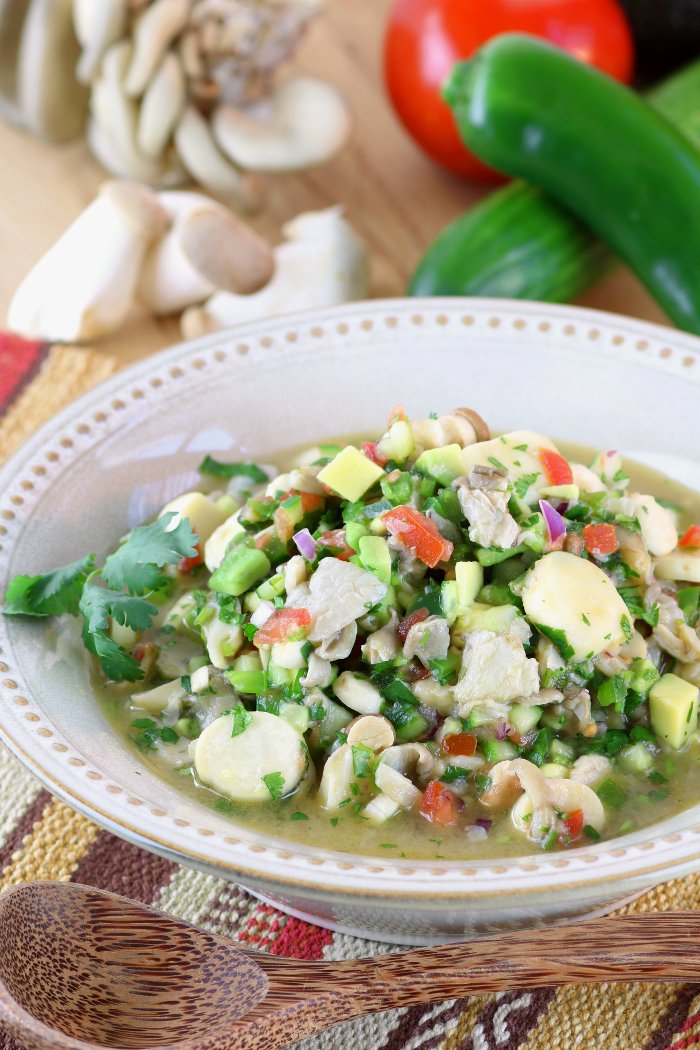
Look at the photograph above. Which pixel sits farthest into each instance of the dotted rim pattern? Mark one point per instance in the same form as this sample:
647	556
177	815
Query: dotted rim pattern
25	729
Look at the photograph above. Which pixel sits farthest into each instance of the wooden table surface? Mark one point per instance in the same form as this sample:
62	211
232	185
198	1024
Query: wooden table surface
396	198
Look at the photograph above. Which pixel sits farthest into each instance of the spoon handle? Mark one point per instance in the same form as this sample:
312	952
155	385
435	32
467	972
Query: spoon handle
654	947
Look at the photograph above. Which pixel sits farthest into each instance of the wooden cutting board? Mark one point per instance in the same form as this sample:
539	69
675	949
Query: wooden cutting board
396	198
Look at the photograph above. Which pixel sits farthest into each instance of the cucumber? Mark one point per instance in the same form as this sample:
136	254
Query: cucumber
498	750
521	244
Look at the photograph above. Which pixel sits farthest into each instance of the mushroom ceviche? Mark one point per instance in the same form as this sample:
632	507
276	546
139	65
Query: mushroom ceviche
437	644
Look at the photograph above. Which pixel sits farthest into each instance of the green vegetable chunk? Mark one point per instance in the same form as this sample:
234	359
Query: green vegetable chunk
241	568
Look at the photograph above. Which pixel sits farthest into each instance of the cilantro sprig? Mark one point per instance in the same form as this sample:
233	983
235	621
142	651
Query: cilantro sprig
77	589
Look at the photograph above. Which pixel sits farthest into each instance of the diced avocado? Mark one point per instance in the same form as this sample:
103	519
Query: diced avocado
644	674
397	444
524	718
553	770
498	750
249	682
565	493
354	531
335	718
241	568
470	579
636	759
498	618
444	464
376	557
277	675
673	709
296	714
350	474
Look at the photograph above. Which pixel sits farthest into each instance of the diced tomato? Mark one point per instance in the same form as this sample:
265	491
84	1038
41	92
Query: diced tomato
262	539
600	539
691	538
556	468
440	805
415	617
574	823
188	564
372	452
337	541
419	534
417	673
281	624
283	524
310	501
459	744
138	653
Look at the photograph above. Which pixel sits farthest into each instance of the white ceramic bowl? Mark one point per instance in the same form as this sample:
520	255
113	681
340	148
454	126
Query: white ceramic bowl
114	457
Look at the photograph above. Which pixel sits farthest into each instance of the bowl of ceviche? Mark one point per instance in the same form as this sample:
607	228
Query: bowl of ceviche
389	612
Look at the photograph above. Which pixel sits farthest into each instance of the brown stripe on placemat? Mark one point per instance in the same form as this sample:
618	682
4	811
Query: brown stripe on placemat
120	867
508	1019
678	1021
24	826
66	373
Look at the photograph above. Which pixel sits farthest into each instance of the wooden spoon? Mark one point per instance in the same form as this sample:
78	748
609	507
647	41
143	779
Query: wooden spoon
80	969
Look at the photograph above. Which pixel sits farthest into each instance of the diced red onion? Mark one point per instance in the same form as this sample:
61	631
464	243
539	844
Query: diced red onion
502	731
484	823
556	526
306	544
262	614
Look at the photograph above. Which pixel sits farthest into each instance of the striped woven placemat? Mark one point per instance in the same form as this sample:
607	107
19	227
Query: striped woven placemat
42	838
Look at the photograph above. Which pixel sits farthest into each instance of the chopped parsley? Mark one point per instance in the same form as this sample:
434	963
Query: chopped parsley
274	782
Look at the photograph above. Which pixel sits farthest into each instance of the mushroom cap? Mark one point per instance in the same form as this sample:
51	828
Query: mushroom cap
373	731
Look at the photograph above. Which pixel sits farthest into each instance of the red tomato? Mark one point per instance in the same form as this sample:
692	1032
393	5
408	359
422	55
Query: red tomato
600	539
440	805
413	618
310	501
419	534
425	38
188	564
574	823
459	744
281	625
337	541
556	468
372	452
691	538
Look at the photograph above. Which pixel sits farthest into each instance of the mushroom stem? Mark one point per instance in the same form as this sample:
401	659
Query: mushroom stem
304	123
206	248
158	26
84	286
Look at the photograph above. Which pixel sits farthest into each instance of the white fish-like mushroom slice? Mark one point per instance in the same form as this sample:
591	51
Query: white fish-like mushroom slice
358	693
305	122
168	696
380	809
374	731
683	566
155	30
161	106
83	288
462	426
97	25
657	523
50	97
590	769
321	263
204	161
396	765
532	814
338	774
207	248
236	766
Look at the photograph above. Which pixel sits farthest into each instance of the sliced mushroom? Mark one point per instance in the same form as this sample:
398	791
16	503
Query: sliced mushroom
97	26
207	248
319	673
304	122
167	696
396	765
432	694
223	640
683	566
338	774
102	253
462	427
658	525
294	573
155	30
428	640
358	693
52	101
380	809
533	815
322	263
338	646
161	106
374	731
589	769
383	644
236	766
205	163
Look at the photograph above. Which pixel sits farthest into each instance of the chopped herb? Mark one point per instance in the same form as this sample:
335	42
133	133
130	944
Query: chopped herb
632	598
520	448
361	760
483	782
524	484
453	773
135	565
168	735
186	683
143	723
354	788
334	821
626	627
50	594
241	721
590	832
274	782
585	619
558	639
658	794
215	469
611	794
689	602
497	463
298	816
250	630
388	845
317	713
619	476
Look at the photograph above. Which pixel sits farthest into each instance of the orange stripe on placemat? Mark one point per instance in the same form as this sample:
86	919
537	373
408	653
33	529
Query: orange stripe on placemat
20	360
53	848
120	867
24	826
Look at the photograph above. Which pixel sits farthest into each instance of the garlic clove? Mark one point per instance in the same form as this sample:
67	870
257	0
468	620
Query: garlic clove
161	107
156	29
205	163
97	26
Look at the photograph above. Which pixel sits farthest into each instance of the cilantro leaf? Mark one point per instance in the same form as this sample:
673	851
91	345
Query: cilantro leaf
135	564
689	602
274	782
632	598
97	605
215	469
558	639
49	594
241	721
523	484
